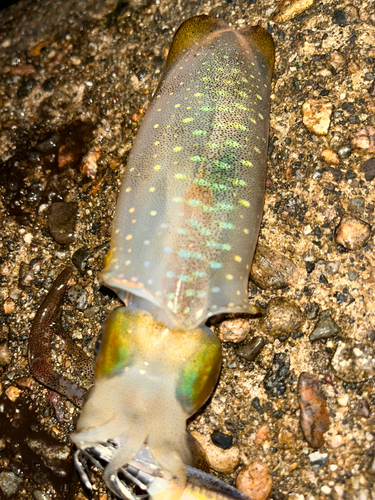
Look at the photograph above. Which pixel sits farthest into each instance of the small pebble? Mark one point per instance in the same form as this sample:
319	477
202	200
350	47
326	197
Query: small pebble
272	270
5	355
330	157
325	327
286	439
261	435
223	441
224	461
78	297
343	400
89	164
363	141
250	351
317	116
326	489
362	409
274	382
336	61
354	362
254	481
40	495
344	152
311	310
62	221
9	306
233	330
26	382
318	458
13	393
314	415
335	441
9	483
282	317
368	167
352	233
289	9
356	204
80	258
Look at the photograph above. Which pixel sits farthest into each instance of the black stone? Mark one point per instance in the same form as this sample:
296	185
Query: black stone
310	266
255	403
223	441
78	297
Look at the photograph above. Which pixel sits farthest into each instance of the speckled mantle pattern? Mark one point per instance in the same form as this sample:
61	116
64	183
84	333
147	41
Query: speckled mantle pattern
100	64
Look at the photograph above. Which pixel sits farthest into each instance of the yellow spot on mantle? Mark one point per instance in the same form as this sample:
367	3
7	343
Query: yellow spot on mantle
157	167
129	237
229	276
156	125
237	258
177	149
131	210
152	190
153	212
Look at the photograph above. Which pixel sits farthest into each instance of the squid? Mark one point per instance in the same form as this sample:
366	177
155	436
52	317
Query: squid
183	238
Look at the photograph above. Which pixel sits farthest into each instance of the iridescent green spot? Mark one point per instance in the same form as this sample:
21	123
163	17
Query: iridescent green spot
222	164
180	176
258	97
207	108
188	120
214	145
198	94
198	274
225	57
170	274
232	144
201	294
238	182
182	231
170	296
200	132
190	255
225	206
189	293
226	225
198	158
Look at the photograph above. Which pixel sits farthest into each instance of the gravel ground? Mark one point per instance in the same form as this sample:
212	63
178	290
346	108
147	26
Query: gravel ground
76	78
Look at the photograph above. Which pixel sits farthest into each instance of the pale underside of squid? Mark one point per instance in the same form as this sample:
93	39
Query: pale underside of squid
183	238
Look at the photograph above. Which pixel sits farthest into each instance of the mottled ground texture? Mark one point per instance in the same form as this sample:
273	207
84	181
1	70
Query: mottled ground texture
76	78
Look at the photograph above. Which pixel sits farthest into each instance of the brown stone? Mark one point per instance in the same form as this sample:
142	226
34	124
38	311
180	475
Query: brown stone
282	317
261	434
289	9
363	141
330	157
352	233
233	330
317	116
255	481
314	416
272	270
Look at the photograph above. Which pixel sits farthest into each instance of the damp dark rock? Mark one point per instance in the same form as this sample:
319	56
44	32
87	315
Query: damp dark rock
272	270
282	317
27	272
274	382
223	441
368	167
78	297
80	258
9	483
251	350
325	327
62	221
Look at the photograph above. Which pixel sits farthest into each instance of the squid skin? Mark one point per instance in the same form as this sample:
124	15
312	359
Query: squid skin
183	238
